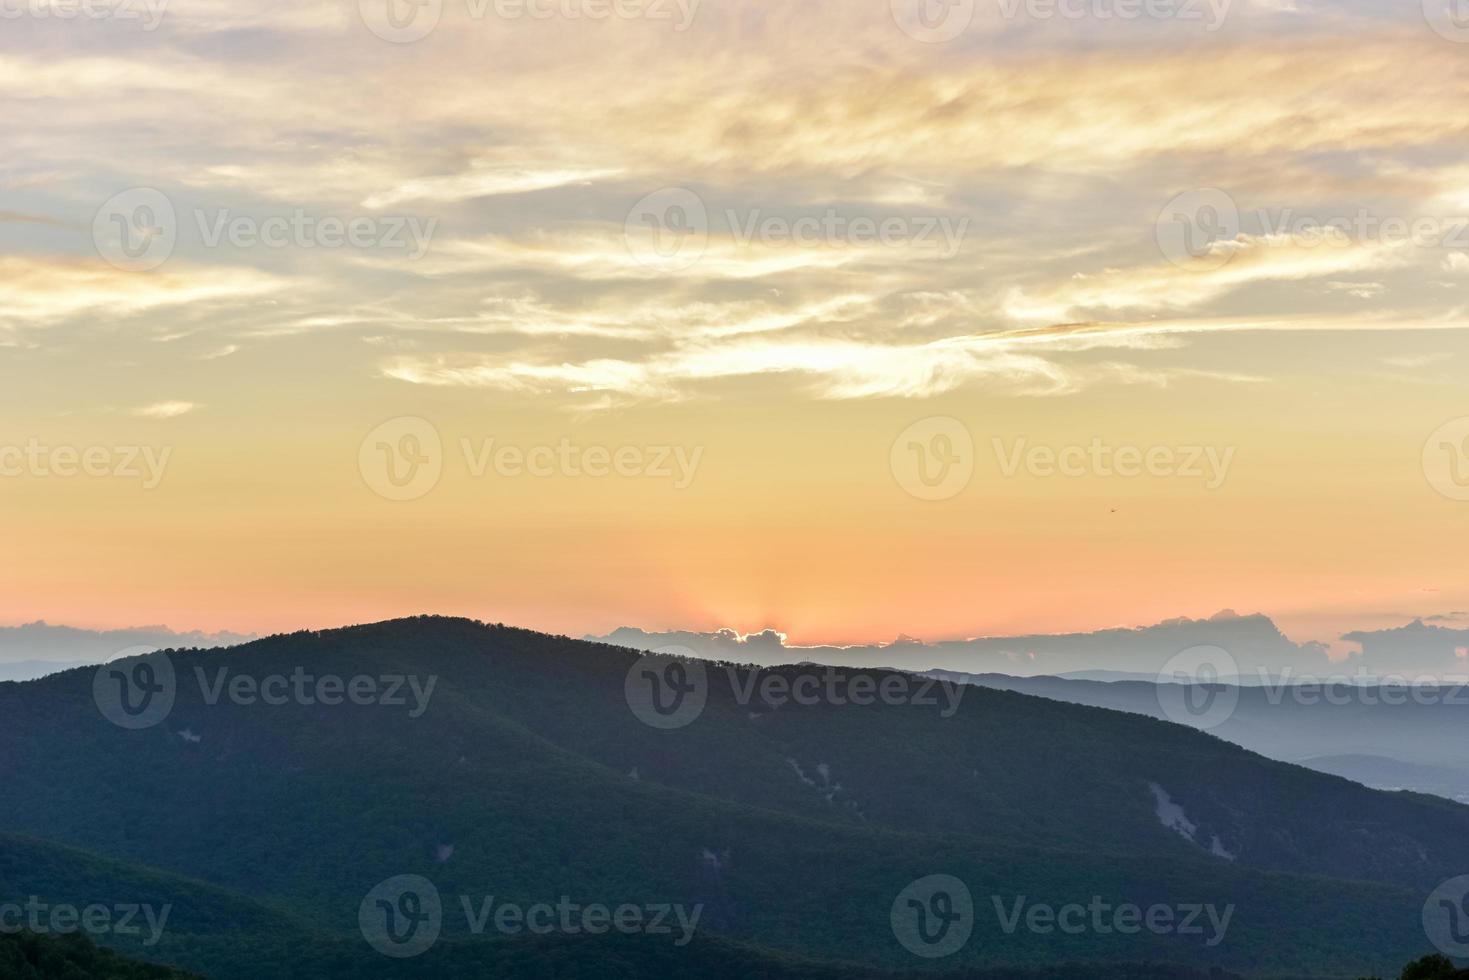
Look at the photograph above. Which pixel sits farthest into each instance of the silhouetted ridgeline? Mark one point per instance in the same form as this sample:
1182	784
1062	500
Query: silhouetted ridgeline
1397	736
501	767
28	956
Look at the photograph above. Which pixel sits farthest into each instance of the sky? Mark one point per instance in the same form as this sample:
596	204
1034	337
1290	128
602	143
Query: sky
849	319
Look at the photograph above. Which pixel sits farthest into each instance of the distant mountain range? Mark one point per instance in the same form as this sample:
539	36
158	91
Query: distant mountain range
1253	641
29	670
39	648
1256	644
535	771
1381	772
1386	738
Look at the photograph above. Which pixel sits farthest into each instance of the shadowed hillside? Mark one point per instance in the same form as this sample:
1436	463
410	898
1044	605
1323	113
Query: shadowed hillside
525	775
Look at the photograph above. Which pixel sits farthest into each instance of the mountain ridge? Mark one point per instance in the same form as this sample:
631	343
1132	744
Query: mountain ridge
533	774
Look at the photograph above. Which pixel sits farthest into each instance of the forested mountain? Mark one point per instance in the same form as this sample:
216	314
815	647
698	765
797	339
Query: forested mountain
514	767
28	956
1394	735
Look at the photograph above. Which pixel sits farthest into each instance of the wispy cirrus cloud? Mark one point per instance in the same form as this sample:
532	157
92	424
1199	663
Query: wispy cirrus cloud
43	290
829	368
1172	286
1056	155
165	410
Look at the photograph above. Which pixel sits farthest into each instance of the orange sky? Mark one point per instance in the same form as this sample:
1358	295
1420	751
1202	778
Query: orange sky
787	317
